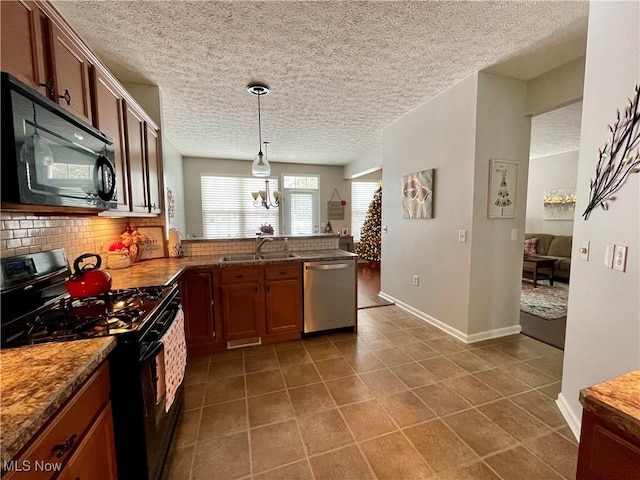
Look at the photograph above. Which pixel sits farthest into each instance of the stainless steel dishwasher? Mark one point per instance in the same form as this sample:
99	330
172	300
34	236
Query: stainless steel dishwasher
329	295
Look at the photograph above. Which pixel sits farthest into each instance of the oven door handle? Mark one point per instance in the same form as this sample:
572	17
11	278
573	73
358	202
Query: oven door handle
151	352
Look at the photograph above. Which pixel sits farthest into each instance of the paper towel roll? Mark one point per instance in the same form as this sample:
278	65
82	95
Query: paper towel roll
175	245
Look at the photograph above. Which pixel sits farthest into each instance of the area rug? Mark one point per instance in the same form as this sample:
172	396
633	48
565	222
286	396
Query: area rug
549	302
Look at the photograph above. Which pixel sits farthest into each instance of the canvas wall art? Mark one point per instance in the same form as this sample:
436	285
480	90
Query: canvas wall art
417	194
559	204
503	182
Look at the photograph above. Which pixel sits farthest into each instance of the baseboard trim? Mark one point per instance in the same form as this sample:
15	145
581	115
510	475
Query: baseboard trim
473	338
495	333
574	422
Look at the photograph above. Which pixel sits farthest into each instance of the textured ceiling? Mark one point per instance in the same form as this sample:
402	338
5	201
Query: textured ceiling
339	71
556	131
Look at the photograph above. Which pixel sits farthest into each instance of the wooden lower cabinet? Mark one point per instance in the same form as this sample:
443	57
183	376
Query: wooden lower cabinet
94	458
262	301
203	328
283	299
606	452
242	302
77	442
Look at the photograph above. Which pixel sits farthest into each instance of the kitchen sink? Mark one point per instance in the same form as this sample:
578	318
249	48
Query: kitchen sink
245	257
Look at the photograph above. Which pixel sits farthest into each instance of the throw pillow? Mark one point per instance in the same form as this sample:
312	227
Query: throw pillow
530	246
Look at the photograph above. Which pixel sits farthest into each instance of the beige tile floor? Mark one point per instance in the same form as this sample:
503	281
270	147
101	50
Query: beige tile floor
401	400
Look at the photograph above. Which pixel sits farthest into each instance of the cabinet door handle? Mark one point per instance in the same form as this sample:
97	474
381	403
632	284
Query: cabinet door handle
48	86
64	447
66	96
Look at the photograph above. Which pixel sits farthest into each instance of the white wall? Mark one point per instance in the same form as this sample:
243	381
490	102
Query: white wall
558	87
330	178
603	321
503	131
370	162
545	173
173	179
440	134
470	289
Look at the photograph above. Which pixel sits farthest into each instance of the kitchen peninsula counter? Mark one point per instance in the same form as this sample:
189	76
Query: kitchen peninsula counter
163	271
610	433
36	380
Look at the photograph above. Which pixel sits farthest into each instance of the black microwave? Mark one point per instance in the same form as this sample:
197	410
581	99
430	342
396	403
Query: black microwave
50	157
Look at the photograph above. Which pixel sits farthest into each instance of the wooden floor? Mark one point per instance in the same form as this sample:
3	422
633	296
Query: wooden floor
368	287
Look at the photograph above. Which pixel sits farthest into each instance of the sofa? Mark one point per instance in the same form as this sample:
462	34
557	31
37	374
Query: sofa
557	247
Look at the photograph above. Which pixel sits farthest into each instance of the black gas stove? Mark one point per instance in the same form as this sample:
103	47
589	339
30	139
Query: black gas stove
36	309
124	311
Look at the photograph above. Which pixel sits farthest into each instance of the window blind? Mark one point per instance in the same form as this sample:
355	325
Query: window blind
227	206
301	213
361	196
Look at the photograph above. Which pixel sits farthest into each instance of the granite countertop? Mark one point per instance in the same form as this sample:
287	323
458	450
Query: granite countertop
36	380
616	401
163	271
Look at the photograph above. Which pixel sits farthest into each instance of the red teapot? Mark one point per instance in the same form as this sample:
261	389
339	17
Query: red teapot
89	280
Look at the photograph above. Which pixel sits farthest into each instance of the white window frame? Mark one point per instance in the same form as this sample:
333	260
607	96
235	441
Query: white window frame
286	194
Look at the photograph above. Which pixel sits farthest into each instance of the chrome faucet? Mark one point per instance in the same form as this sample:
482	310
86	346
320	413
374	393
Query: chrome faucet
261	241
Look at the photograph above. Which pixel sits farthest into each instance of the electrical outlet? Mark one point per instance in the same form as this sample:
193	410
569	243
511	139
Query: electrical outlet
416	280
462	236
620	258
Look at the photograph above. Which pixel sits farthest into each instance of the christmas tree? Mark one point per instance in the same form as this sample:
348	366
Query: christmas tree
369	246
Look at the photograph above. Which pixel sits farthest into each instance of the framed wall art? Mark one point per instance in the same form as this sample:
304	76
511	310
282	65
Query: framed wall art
559	204
503	183
153	244
417	194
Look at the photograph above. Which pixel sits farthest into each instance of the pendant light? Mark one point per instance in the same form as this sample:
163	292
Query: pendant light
262	198
260	166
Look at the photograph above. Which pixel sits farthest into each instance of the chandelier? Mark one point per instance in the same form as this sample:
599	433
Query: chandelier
262	198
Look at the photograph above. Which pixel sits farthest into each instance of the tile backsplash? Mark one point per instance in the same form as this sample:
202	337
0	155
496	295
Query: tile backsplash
195	248
77	234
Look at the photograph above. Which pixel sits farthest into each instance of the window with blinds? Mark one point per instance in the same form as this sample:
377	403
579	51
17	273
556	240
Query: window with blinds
301	212
361	196
301	208
227	206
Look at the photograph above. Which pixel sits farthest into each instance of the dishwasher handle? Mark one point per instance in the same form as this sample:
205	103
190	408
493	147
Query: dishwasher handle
331	266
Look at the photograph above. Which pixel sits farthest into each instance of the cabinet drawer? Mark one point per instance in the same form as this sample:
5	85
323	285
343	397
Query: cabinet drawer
282	271
240	274
60	438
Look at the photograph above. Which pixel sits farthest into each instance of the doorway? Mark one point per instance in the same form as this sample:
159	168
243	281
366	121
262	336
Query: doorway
553	167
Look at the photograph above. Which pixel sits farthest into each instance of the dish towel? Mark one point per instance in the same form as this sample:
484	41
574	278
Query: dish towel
175	358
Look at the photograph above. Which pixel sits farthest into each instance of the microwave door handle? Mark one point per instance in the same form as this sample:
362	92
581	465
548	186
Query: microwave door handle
104	169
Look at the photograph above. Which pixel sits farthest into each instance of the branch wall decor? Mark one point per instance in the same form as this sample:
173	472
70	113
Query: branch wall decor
617	160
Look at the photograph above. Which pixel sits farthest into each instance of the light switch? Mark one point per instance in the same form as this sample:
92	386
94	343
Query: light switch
462	236
608	255
514	234
385	229
620	258
584	251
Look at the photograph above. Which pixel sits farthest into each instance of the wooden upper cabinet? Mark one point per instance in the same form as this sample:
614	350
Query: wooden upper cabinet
153	168
135	148
21	46
108	117
70	68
